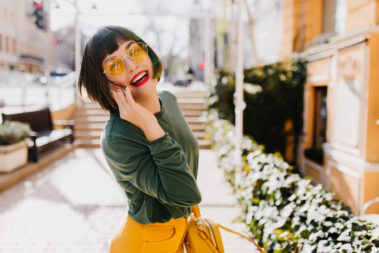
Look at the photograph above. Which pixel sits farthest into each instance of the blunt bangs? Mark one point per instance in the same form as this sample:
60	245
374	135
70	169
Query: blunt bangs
104	42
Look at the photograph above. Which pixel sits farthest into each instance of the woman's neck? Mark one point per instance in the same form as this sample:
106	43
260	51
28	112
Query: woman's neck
151	103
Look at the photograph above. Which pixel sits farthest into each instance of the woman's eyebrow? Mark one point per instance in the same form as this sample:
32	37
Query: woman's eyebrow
129	44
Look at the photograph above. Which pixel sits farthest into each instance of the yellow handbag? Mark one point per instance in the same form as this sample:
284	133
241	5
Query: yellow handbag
203	235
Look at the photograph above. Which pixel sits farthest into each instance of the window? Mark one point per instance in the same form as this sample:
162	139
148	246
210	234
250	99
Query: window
341	15
5	15
328	19
6	44
14	46
334	17
315	153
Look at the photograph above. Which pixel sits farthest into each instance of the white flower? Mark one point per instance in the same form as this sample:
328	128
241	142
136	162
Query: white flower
258	215
332	230
224	80
327	223
287	210
322	246
251	88
308	248
345	236
313	236
347	247
375	232
284	234
307	202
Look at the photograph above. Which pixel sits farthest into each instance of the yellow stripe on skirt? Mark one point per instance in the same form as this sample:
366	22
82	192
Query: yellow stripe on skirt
135	237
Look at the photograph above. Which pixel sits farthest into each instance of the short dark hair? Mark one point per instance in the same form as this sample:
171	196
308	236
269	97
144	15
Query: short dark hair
105	41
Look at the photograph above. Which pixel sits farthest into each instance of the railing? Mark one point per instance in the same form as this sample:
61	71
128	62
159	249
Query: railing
21	92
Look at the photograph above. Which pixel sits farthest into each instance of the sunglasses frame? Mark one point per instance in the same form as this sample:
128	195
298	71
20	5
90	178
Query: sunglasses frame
142	45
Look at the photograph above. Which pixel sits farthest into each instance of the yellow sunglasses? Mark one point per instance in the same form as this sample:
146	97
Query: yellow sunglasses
115	66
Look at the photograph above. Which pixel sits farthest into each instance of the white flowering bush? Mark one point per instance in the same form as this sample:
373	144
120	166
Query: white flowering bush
285	212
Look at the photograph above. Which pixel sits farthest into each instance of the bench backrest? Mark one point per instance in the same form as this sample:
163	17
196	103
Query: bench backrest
39	120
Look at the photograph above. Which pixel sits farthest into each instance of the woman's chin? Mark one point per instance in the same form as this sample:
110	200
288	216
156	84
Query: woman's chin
144	90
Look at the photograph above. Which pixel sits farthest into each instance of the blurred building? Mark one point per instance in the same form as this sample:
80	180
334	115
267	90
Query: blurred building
25	39
197	46
340	143
64	57
268	30
267	23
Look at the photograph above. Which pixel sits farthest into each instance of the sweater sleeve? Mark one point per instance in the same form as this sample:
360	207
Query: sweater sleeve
159	169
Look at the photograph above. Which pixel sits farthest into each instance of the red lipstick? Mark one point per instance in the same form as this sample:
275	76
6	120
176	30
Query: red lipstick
143	81
136	75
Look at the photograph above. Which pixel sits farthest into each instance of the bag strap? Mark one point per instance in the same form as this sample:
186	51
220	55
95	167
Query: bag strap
197	214
248	237
196	211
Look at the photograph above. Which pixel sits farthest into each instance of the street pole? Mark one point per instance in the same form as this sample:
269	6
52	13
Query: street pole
207	50
239	104
77	51
47	45
252	34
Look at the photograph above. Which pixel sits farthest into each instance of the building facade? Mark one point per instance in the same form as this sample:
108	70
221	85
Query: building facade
340	143
23	45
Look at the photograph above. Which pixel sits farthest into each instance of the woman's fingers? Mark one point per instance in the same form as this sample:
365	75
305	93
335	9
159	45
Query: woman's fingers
119	96
128	95
115	95
125	91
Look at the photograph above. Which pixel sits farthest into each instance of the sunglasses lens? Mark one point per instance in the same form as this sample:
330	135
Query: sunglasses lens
138	52
114	67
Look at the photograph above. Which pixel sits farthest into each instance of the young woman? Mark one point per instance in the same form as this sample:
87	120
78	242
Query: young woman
146	142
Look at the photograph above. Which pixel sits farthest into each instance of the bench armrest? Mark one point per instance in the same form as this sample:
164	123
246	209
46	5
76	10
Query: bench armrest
33	135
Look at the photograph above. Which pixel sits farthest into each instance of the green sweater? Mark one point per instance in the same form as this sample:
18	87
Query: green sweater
158	177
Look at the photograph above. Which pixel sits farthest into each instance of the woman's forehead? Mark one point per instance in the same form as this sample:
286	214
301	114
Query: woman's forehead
121	42
122	45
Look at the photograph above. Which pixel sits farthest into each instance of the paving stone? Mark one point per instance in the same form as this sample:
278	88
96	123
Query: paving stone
75	205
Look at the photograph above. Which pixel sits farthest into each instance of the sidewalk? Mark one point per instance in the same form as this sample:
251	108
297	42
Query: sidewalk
217	202
74	205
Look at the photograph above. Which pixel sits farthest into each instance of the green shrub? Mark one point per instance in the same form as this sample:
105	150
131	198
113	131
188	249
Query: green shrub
274	95
13	131
285	212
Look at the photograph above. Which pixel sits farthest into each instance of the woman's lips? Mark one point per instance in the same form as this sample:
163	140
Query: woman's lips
143	81
136	75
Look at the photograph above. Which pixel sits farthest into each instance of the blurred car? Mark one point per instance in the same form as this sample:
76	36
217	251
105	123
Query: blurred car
182	83
60	72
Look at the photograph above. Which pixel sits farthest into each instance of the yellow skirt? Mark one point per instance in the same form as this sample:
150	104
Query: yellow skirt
135	237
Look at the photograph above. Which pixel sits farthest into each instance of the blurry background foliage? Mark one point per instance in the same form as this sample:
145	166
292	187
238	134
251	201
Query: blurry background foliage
273	94
13	131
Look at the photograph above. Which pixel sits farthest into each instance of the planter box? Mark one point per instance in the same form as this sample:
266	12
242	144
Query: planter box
13	156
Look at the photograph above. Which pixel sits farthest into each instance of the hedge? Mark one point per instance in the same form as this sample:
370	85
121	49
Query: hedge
285	212
273	95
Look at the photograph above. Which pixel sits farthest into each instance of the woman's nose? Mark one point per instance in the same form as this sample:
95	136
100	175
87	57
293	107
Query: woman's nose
129	64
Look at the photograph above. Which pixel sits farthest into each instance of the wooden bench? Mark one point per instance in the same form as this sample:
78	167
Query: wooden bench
45	132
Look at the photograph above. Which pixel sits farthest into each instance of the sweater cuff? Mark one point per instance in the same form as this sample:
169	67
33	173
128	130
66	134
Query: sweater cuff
159	140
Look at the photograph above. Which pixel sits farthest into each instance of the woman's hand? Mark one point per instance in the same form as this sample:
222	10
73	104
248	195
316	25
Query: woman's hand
135	113
129	109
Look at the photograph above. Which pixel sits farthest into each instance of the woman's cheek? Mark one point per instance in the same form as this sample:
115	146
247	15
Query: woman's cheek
133	93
